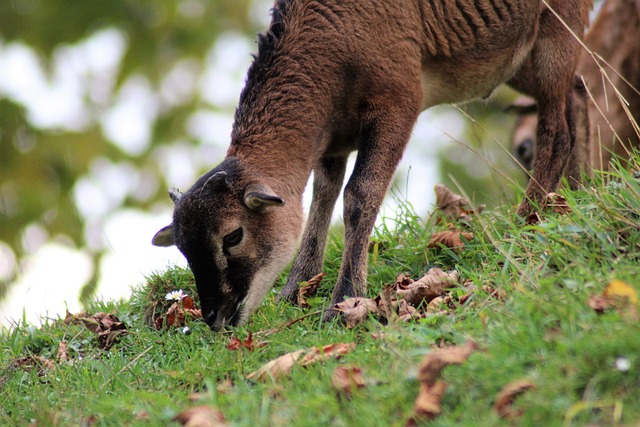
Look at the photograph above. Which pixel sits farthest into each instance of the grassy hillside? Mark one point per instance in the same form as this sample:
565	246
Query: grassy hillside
551	304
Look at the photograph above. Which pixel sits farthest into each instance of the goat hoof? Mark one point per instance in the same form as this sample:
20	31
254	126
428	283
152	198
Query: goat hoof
288	296
332	314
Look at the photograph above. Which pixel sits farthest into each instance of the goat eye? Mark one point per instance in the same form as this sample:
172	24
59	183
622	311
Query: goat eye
233	238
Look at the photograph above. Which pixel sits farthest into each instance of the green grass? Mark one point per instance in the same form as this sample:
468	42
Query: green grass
543	330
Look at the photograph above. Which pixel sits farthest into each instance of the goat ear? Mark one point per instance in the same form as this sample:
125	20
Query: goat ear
258	197
164	237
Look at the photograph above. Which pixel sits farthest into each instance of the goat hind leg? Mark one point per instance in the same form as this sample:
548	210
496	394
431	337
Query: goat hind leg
328	177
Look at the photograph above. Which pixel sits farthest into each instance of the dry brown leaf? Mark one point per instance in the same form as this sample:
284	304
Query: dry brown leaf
346	379
106	325
617	295
453	205
427	404
234	344
317	354
201	416
434	362
387	304
176	314
534	218
282	365
62	356
196	396
29	363
309	290
451	239
428	287
498	294
356	310
507	396
406	312
558	203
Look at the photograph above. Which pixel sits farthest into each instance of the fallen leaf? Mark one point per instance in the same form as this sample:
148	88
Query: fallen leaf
406	312
347	378
558	203
309	289
176	314
196	396
276	368
534	218
317	354
356	310
201	416
62	356
433	363
507	396
29	363
282	365
107	326
234	344
451	239
498	294
453	205
621	290
617	295
224	386
427	404
387	304
431	285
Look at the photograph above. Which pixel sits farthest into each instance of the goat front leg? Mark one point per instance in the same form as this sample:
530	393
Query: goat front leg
382	142
328	177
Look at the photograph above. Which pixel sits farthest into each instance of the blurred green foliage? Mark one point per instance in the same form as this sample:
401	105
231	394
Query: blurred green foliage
40	167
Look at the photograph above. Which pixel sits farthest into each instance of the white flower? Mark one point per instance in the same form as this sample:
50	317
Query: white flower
175	295
623	364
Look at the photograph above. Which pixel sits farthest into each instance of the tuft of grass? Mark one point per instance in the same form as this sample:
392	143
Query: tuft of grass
542	330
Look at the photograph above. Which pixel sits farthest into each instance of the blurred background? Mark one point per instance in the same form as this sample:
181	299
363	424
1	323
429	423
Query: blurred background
104	105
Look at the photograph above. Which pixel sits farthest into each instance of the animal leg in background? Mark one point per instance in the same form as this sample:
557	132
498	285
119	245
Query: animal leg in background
549	78
328	177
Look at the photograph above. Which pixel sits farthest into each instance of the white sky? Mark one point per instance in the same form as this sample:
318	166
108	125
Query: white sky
53	274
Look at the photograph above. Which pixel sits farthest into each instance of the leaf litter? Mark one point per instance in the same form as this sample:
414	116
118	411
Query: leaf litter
406	300
201	416
281	366
178	313
107	326
432	388
308	289
503	404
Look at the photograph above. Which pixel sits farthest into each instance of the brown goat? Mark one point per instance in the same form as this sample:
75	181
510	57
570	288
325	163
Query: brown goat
332	77
615	36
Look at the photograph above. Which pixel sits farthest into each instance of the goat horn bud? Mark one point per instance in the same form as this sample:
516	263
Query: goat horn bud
175	195
217	181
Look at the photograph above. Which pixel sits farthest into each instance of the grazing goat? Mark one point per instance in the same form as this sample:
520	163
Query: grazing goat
331	77
615	36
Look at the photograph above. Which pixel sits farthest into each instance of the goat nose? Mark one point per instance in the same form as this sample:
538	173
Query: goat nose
209	318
